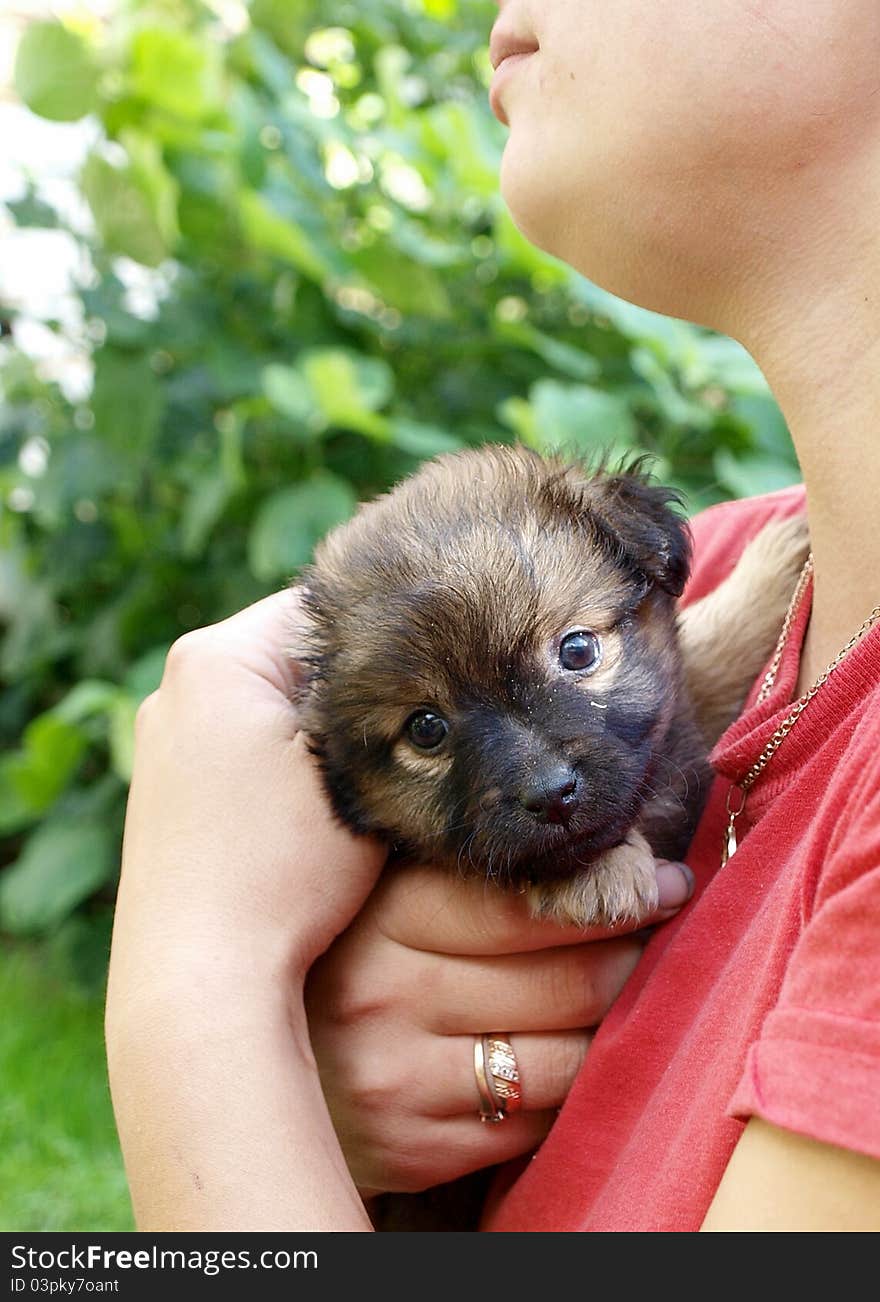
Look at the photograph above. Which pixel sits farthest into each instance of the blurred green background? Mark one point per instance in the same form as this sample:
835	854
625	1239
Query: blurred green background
292	277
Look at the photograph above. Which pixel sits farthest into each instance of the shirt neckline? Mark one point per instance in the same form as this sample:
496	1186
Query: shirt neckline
739	747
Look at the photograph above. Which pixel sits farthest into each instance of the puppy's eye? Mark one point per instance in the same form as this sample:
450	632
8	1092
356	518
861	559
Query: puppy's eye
426	730
580	650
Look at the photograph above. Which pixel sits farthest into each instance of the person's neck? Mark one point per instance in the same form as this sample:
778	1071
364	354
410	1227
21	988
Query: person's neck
818	345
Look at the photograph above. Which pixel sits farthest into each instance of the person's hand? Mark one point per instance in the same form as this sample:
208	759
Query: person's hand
230	845
430	962
235	876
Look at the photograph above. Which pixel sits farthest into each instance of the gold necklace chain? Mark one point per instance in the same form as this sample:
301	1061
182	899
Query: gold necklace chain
745	785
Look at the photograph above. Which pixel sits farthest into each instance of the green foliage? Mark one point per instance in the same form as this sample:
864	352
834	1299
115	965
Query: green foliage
55	74
133	206
340	293
60	1166
63	862
291	520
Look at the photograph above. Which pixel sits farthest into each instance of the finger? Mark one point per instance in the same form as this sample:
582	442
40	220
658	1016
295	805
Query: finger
428	909
438	1079
450	1147
258	638
547	1065
477	1143
547	990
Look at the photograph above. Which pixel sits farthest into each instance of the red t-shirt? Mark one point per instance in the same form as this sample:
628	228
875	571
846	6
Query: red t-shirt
762	997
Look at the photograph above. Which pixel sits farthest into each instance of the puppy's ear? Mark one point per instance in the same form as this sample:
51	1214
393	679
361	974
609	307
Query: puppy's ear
636	518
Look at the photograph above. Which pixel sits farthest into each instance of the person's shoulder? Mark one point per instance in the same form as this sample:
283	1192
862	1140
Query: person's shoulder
853	841
721	532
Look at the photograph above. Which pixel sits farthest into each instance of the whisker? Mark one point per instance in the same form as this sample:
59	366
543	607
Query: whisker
666	792
459	866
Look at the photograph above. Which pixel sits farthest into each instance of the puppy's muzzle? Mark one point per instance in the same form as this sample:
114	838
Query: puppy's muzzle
551	794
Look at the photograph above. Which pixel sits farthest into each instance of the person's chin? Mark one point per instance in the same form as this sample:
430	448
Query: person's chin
524	190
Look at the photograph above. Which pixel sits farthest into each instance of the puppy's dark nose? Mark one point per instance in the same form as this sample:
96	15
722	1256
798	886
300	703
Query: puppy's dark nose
551	794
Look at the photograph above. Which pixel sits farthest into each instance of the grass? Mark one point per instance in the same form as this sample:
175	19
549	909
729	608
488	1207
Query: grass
60	1166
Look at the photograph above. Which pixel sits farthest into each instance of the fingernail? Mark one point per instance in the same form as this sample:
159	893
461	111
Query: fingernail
675	884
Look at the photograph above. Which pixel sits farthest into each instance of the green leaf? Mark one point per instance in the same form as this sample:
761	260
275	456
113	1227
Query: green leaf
53	749
90	697
288	21
81	466
391	62
62	863
667	335
127	402
203	508
292	520
16	810
564	357
54	73
456	131
751	475
727	363
348	387
106	303
267	231
519	415
676	408
579	418
289	392
519	256
415	241
145	675
175	72
148	172
361	381
32	778
421	440
441	9
762	414
131	212
413	289
29	611
332	386
79	948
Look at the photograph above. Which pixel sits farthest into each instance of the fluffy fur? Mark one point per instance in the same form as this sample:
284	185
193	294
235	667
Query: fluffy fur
452	594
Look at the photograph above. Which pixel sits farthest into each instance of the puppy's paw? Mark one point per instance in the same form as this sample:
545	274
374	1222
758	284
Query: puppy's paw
619	886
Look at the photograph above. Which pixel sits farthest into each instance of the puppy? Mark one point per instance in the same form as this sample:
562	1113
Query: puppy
497	678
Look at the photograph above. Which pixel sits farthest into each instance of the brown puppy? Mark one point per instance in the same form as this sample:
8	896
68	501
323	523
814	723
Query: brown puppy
498	679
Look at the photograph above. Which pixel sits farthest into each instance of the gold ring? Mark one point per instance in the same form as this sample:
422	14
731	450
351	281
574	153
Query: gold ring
497	1074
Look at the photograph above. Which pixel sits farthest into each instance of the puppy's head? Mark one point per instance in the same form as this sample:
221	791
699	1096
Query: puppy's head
492	659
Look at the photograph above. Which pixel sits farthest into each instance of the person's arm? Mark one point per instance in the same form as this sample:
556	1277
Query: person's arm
220	1112
783	1182
235	879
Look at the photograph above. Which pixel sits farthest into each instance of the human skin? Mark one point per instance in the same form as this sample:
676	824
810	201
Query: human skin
712	160
728	171
235	878
428	964
720	162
